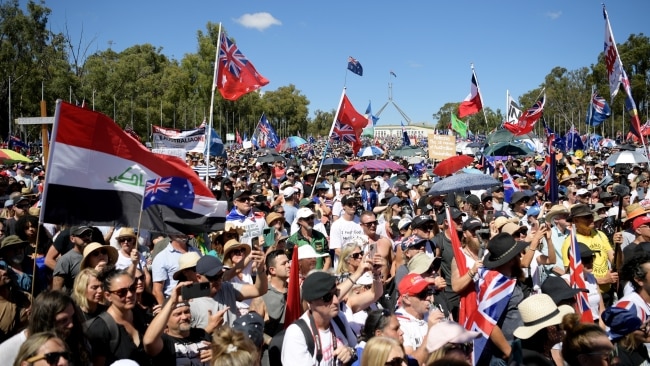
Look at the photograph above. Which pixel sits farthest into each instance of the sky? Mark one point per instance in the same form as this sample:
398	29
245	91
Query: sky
429	45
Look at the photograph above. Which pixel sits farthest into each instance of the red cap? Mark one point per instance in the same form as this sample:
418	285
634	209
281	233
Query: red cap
639	221
412	284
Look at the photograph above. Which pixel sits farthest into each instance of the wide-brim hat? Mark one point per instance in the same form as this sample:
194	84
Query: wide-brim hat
12	240
112	253
421	263
445	332
231	245
556	210
127	232
187	260
502	248
538	311
274	216
634	210
558	289
579	210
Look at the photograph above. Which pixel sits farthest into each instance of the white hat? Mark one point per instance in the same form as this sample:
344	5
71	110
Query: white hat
538	312
290	170
304	212
288	192
403	223
307	251
448	332
582	191
365	280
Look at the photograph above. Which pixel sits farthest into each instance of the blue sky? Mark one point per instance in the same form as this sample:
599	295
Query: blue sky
428	44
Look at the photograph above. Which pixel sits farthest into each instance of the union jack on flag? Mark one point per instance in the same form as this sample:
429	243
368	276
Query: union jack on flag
493	293
174	192
577	280
158	184
635	302
231	56
509	185
344	132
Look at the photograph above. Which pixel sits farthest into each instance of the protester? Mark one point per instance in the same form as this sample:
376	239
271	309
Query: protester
585	344
88	293
44	348
449	340
165	264
15	304
629	335
383	351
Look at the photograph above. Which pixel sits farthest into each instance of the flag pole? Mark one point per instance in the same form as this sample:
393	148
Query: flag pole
327	145
214	87
478	89
590	114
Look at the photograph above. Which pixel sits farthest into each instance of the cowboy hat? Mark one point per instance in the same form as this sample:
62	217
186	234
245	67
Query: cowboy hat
556	210
231	245
579	210
90	248
187	260
634	210
503	248
538	312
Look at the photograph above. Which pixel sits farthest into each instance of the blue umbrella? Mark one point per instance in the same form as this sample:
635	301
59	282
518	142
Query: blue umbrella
334	163
291	142
370	151
472	171
461	183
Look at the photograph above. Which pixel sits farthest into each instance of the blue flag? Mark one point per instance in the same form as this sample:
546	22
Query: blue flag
573	140
598	110
370	115
173	192
265	134
215	144
406	141
17	142
355	66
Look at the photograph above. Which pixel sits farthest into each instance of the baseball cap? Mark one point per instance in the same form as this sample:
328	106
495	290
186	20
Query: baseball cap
288	192
239	194
394	201
640	221
404	223
473	200
582	191
471	224
304	212
252	325
421	220
209	266
412	284
81	230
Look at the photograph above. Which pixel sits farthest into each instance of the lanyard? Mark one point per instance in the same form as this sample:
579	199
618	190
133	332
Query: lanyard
317	342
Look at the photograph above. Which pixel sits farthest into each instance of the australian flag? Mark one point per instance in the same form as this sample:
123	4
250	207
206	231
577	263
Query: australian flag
598	110
355	66
577	280
573	140
15	141
509	185
265	134
173	192
215	145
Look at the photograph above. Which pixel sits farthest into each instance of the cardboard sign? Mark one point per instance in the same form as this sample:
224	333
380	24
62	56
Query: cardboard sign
441	146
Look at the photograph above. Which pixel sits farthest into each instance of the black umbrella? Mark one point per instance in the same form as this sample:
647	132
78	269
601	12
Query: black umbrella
270	158
507	149
334	163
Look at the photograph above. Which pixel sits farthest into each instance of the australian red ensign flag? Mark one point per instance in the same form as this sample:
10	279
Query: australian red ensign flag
472	103
349	124
97	175
234	74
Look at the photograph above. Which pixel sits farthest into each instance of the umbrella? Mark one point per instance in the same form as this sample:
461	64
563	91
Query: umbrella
291	142
7	155
507	149
370	151
462	182
607	143
375	166
270	158
504	135
452	165
334	163
405	151
472	171
626	157
476	144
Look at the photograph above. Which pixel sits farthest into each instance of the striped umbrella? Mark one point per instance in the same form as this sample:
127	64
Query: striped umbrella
8	156
203	170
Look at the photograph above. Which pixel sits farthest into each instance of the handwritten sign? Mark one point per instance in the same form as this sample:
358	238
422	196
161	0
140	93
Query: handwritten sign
441	146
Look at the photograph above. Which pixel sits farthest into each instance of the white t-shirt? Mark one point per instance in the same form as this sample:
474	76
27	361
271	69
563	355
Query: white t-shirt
414	329
9	348
341	232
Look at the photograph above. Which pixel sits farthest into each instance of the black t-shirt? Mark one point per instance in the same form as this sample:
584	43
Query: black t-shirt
183	351
100	337
447	254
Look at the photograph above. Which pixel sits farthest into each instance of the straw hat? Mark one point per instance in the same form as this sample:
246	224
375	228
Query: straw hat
538	312
127	232
634	210
187	260
231	245
556	210
90	248
274	216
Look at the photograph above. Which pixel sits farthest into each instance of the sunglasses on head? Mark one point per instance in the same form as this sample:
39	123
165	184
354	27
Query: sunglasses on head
327	298
397	361
356	255
123	291
100	251
51	358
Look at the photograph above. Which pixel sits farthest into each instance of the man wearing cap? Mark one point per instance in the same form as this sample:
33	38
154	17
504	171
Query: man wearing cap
641	229
346	227
165	264
498	199
368	194
333	339
306	235
66	240
583	219
12	252
518	203
415	314
68	265
243	216
21	207
501	264
170	335
289	204
293	182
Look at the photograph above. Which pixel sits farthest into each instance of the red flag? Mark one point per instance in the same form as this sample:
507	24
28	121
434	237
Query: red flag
349	124
237	137
472	103
235	75
468	304
293	308
577	280
528	119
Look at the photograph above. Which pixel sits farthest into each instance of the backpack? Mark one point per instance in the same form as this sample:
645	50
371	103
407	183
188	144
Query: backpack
112	329
275	346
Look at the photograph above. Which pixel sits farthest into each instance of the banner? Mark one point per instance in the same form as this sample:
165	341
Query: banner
191	140
441	146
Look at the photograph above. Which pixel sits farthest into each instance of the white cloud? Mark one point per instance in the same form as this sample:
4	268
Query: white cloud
554	14
259	21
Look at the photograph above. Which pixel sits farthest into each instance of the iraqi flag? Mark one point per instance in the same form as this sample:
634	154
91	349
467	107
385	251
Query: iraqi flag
97	176
472	103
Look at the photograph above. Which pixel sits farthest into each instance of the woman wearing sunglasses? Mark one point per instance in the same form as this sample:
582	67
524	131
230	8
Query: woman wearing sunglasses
351	255
43	349
236	255
98	256
131	322
383	351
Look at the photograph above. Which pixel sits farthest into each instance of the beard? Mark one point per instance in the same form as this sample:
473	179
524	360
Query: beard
517	272
184	327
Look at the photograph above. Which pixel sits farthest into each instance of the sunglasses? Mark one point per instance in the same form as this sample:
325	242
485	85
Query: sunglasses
280	212
290	174
245	199
309	218
125	239
96	253
397	361
240	251
371	223
22	207
327	298
356	255
346	188
123	291
424	294
140	278
51	358
215	278
466	348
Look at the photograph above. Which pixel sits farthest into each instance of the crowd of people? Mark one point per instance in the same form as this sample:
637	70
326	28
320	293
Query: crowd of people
379	275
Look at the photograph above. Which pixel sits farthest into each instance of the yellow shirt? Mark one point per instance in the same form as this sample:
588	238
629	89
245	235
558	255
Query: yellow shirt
599	244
